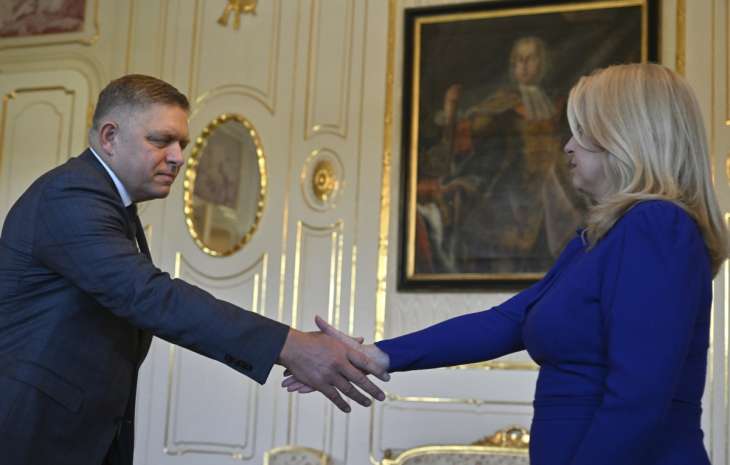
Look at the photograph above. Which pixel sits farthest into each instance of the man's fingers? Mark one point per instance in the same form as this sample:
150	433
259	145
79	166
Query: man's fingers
359	339
345	387
356	376
335	397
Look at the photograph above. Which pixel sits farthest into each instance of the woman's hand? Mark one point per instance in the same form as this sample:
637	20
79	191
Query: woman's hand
377	356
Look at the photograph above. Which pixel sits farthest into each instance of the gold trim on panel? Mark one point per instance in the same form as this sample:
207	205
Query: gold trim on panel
335	233
189	182
26	90
681	37
453	400
340	128
353	285
256	273
532	11
266	97
726	55
130	34
382	269
497	365
91	40
195	51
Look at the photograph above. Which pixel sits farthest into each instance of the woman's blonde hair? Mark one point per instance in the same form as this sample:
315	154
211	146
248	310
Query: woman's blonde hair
647	120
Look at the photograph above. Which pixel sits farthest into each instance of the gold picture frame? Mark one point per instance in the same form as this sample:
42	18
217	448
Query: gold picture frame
486	197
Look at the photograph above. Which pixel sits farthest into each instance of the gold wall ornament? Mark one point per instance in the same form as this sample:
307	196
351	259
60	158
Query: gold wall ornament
237	8
324	180
225	185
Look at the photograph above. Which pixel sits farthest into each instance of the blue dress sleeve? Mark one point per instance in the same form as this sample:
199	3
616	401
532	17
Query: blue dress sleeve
656	287
473	337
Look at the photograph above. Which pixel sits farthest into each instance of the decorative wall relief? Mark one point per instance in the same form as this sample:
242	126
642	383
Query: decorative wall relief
225	185
321	179
237	8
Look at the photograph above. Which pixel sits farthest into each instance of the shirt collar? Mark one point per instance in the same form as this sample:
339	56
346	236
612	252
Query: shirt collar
123	194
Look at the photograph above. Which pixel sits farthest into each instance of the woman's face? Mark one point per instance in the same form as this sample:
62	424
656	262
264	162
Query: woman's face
587	169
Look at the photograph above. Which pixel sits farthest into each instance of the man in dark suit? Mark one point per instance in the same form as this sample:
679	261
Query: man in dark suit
80	298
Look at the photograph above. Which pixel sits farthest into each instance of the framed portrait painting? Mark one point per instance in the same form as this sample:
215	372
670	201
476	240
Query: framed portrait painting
487	198
27	23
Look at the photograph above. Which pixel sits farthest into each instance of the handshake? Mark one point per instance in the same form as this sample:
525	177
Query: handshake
330	362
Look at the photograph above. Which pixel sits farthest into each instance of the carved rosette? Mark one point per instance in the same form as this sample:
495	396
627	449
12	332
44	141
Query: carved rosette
321	179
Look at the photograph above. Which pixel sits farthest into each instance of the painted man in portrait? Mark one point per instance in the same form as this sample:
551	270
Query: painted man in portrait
503	202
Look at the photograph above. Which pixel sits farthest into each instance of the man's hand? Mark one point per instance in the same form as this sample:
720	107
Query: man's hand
379	360
326	364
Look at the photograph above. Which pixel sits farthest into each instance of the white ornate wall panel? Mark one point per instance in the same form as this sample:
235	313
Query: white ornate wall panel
54	104
245	61
321	82
329	66
231	402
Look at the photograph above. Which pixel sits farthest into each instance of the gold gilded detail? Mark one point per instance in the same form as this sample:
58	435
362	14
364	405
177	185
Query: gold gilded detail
324	180
237	8
512	441
515	437
681	32
192	171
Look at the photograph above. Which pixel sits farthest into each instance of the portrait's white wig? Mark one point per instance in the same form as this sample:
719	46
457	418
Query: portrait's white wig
646	119
542	54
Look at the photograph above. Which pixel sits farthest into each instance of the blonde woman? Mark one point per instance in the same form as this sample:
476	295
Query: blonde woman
620	324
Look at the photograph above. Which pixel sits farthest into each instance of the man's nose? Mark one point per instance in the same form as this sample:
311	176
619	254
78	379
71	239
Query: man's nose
175	155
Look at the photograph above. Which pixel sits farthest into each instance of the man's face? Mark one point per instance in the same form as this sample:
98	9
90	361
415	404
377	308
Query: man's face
146	151
526	66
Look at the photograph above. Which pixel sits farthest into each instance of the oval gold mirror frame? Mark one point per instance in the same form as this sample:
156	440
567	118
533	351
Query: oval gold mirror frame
191	172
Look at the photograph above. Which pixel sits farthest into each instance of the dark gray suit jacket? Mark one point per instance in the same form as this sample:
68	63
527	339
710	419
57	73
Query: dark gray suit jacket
78	306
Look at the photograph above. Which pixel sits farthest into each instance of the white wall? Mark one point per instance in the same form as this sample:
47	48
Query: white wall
319	80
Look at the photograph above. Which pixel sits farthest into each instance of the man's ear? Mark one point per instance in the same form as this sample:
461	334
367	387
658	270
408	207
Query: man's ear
108	134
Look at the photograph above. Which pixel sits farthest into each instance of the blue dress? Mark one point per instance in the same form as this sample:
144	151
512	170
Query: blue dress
620	332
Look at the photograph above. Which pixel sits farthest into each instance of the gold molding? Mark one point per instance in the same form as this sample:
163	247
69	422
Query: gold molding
266	97
28	41
454	400
340	128
257	274
726	30
189	182
12	95
323	458
382	268
335	233
497	365
681	37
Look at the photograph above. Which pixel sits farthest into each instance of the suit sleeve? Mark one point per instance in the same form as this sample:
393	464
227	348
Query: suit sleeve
469	338
656	289
82	237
